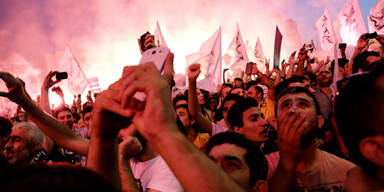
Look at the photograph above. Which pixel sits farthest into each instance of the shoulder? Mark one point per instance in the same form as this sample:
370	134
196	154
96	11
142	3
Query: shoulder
216	128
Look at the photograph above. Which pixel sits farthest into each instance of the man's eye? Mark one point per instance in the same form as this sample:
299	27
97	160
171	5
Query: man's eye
230	166
285	105
305	104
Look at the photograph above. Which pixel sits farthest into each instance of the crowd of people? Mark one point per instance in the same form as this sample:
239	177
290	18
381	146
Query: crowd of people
280	130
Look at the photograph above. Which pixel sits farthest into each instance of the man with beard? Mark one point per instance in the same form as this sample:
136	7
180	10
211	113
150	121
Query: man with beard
302	166
24	142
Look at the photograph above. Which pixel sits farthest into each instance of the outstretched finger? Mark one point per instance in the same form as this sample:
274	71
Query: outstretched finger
128	97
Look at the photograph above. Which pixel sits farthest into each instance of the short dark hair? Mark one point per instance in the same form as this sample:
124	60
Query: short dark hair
179	97
284	84
87	109
251	83
360	61
227	85
238	79
233	97
61	109
261	90
359	112
254	157
235	114
297	90
5	127
185	106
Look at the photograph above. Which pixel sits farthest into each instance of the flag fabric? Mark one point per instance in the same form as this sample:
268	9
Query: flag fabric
159	39
209	58
336	73
277	48
236	56
77	81
351	22
259	53
94	85
325	27
376	18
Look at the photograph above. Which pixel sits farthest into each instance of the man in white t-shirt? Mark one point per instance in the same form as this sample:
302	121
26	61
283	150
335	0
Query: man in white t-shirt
148	169
302	166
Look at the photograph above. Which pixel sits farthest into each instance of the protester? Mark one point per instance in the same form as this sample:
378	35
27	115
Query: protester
302	166
241	159
281	129
363	132
24	145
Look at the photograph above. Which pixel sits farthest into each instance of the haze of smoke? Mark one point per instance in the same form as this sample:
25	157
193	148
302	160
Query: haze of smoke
103	34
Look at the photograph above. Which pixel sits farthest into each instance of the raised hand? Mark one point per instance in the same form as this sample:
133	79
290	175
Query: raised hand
48	82
302	56
292	58
157	108
129	147
108	115
193	71
267	64
58	91
16	88
290	129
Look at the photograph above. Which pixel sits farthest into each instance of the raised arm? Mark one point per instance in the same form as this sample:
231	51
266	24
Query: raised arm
193	105
266	81
291	65
300	66
44	98
108	119
58	132
194	170
288	137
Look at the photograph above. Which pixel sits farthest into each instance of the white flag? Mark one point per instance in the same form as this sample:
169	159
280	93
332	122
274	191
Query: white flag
159	39
236	56
376	18
259	53
351	22
77	81
94	85
209	58
325	27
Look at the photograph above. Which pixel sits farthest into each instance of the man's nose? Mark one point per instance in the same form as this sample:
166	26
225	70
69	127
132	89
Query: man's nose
8	145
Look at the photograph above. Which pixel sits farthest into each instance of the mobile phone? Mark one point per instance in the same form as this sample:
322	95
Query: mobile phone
61	75
248	68
156	55
142	41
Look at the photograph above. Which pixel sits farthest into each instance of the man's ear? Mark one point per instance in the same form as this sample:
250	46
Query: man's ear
372	148
320	121
237	129
193	121
260	186
35	146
